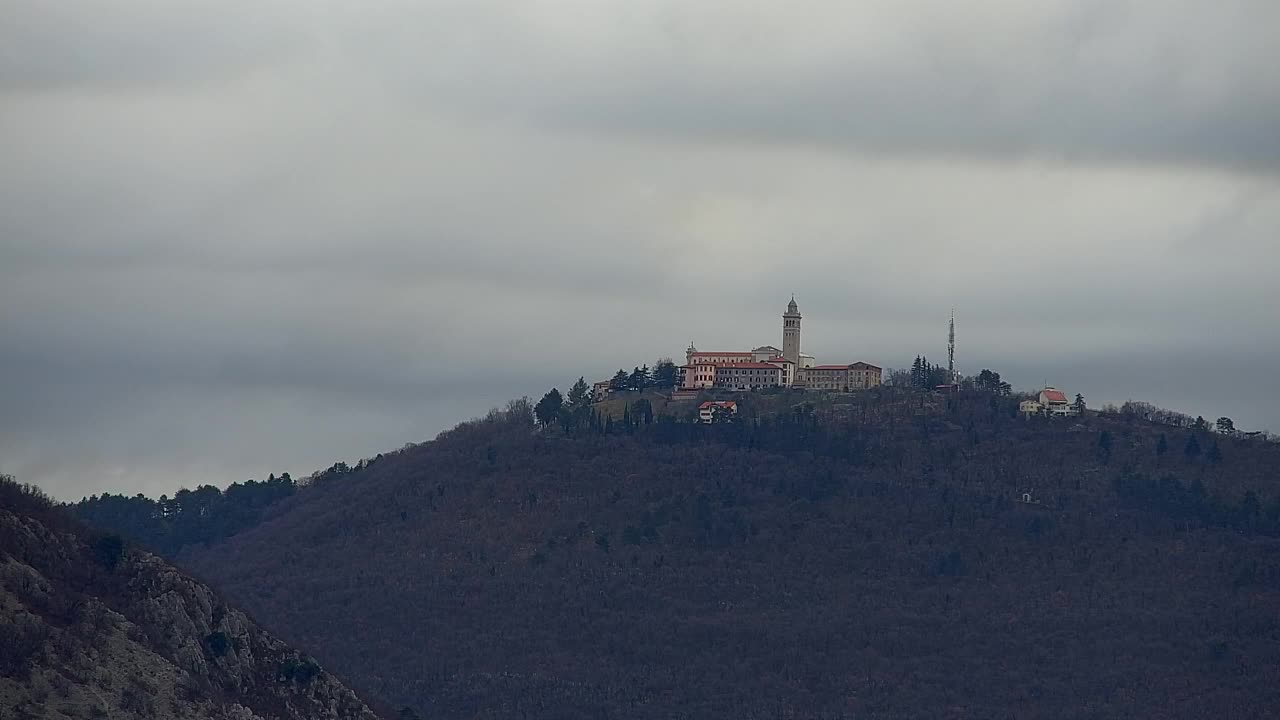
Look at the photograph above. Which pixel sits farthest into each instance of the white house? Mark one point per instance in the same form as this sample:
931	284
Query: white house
707	410
1054	402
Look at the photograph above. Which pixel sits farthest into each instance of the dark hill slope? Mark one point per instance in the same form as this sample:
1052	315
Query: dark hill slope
867	561
92	629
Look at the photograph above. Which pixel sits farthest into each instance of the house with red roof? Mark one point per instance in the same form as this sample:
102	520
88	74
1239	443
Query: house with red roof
708	411
1054	402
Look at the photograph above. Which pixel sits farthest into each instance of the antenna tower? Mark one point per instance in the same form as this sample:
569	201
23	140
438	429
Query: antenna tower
951	350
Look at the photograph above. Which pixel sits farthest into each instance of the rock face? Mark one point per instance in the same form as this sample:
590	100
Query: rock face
90	628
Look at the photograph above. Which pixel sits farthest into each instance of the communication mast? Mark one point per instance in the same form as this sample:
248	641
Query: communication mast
951	350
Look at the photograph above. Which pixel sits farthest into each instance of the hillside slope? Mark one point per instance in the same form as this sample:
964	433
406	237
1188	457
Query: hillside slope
869	560
92	629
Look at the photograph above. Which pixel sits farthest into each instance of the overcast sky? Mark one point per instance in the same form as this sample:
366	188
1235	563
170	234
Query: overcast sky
249	237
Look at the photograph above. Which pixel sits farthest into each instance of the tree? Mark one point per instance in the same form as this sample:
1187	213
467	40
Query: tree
1200	423
665	373
579	395
1078	405
1226	426
1192	448
548	408
642	412
1215	454
990	381
620	381
639	379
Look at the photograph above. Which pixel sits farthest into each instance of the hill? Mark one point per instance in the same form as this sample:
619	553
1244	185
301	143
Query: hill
884	554
92	628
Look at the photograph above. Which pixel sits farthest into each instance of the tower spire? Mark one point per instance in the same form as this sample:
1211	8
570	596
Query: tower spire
951	349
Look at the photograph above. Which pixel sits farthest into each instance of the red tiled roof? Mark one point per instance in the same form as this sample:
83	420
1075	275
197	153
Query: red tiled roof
718	403
779	360
828	367
1053	396
721	354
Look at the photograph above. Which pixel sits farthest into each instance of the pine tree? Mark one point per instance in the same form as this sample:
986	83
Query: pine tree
665	373
1104	447
1078	405
548	408
1192	449
579	395
620	380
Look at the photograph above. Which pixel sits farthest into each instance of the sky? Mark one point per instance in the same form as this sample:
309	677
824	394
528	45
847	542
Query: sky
239	238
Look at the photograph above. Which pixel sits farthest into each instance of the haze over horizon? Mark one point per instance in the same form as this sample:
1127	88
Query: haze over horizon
242	238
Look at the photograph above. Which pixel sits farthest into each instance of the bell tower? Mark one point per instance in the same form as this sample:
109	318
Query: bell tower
791	332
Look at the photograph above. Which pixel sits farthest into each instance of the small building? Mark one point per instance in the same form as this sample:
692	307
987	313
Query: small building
1030	407
600	391
1054	402
708	410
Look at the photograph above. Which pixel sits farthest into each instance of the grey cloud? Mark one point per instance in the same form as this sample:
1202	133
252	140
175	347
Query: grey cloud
319	232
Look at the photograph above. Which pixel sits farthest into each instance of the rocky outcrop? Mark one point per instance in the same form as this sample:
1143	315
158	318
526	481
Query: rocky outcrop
90	628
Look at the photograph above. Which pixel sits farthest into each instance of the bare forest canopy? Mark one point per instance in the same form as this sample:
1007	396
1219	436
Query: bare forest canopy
886	553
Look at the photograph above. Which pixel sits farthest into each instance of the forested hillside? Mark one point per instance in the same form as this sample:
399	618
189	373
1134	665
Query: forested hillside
873	555
865	557
93	628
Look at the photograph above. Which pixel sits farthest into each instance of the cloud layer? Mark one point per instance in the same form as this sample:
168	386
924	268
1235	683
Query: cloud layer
245	238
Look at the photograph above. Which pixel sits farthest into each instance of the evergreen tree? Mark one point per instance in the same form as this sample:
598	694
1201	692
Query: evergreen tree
620	381
1104	447
1192	448
639	379
665	373
1226	426
548	408
1078	405
579	395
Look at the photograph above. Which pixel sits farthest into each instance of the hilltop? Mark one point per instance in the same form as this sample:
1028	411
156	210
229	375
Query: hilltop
881	554
91	627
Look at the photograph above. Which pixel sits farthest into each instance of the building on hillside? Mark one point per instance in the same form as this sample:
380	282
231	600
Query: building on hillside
1030	407
708	411
1054	402
749	376
788	370
600	391
842	378
741	370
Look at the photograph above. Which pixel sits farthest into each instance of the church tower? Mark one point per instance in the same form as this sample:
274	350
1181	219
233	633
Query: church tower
791	332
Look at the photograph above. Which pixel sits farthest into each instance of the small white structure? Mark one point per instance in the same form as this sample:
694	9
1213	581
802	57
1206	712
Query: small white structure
1030	407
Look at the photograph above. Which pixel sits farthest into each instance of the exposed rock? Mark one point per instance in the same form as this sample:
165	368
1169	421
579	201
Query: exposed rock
91	629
